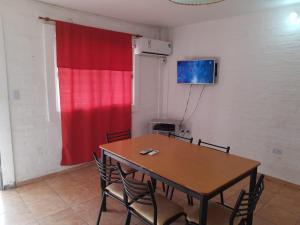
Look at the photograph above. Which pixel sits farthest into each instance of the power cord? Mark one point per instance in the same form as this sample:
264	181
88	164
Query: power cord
198	101
186	107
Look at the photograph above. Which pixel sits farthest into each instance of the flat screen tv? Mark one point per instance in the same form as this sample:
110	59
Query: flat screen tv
200	71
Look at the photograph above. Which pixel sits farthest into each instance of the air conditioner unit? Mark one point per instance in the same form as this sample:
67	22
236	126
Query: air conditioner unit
146	46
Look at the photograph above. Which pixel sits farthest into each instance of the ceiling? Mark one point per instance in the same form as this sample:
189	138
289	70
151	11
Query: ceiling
165	13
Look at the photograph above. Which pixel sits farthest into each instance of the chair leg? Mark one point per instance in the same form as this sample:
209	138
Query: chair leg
143	177
222	198
242	222
167	191
163	186
101	208
189	199
128	218
171	196
192	200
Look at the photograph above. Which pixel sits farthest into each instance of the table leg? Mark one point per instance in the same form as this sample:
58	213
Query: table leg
251	189
103	182
203	210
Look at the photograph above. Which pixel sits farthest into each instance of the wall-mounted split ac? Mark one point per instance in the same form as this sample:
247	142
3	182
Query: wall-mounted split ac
152	47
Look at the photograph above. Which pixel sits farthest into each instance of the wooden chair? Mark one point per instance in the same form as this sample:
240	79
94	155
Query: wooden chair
219	214
142	202
190	140
218	148
118	136
114	188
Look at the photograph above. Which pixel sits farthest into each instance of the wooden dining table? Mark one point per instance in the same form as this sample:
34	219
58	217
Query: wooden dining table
196	170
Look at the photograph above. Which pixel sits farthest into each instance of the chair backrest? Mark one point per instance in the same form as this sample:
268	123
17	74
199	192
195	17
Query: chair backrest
190	140
108	173
118	136
213	146
247	202
138	192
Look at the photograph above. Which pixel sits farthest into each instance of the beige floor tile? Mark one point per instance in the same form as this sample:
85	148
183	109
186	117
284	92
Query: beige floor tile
61	182
36	192
76	195
65	217
73	198
266	196
8	194
277	215
289	204
260	221
17	219
93	186
81	175
46	207
12	203
88	210
273	186
30	186
231	200
116	213
290	192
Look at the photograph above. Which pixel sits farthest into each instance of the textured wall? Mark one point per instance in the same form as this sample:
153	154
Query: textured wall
35	125
255	105
146	93
6	163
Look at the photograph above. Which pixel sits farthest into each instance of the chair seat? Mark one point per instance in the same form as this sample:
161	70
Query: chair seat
217	214
125	168
116	189
128	170
166	210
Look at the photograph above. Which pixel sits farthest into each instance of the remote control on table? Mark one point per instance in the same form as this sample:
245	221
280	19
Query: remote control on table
146	151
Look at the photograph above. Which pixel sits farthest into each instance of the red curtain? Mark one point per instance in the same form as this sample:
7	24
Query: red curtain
95	69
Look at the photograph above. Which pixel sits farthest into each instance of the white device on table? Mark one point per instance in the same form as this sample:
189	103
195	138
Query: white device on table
146	151
149	151
153	152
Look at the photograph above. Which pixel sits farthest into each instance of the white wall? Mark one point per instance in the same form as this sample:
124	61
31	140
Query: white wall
6	152
146	93
36	139
255	105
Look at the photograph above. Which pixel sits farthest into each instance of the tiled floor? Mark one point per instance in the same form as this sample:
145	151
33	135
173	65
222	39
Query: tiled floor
73	199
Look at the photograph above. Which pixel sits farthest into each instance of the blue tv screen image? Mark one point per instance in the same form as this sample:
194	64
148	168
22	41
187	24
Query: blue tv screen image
196	71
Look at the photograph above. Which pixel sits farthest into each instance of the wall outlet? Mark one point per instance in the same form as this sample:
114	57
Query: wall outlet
277	151
16	94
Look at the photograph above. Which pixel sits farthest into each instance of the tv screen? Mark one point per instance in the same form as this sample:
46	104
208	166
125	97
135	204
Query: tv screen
196	71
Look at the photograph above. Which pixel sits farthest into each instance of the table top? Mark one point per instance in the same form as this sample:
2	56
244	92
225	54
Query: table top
197	168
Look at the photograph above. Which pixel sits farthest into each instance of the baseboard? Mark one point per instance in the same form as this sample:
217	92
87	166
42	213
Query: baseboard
283	182
42	178
267	177
9	186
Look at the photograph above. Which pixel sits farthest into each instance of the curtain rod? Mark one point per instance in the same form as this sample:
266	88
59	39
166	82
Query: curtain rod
47	19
